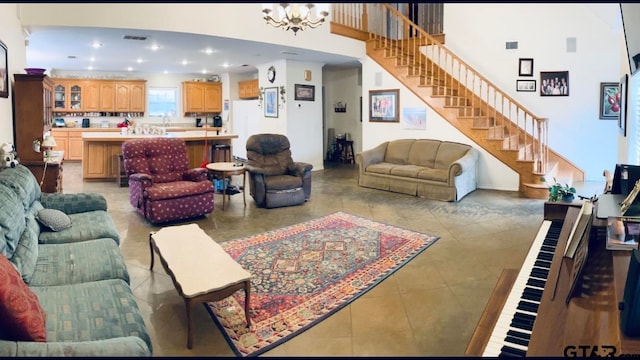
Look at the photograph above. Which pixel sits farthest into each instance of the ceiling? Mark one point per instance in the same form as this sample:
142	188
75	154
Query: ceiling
70	49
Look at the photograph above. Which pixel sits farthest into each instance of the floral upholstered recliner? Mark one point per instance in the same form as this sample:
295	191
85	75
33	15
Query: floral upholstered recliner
162	187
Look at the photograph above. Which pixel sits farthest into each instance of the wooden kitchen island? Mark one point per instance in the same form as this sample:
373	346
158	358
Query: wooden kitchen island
101	150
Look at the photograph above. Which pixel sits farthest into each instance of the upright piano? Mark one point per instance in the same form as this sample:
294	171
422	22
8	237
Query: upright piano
554	305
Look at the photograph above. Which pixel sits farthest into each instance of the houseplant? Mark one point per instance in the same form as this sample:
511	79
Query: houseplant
559	191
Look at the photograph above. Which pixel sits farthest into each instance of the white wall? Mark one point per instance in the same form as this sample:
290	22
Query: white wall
304	118
11	35
492	174
344	85
478	32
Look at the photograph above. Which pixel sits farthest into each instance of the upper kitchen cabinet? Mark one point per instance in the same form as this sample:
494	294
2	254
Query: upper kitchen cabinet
68	95
83	96
201	97
248	89
130	96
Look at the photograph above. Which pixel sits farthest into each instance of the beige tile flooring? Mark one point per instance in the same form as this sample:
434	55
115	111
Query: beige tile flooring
429	307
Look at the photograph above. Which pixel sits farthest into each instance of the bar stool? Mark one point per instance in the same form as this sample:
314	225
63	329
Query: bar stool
346	151
221	153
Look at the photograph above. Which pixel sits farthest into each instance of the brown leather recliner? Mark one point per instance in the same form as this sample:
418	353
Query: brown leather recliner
276	180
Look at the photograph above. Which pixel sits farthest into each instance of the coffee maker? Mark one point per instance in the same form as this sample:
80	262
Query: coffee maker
217	121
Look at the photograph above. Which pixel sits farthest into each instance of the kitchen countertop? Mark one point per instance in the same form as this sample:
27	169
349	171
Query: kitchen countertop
186	135
117	129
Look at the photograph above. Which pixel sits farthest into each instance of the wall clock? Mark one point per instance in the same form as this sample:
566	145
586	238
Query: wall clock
271	74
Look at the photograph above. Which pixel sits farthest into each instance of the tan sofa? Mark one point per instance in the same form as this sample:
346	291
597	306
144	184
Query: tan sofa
433	169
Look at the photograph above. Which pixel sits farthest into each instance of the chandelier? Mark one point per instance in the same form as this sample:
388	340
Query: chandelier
295	16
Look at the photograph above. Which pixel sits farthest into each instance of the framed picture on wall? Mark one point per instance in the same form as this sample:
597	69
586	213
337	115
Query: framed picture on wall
525	67
4	72
554	83
526	85
610	101
271	102
305	92
622	119
384	105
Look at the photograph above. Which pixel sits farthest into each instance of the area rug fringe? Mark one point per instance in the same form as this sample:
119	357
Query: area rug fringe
304	273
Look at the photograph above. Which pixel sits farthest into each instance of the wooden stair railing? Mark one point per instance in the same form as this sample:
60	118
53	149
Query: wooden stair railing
456	91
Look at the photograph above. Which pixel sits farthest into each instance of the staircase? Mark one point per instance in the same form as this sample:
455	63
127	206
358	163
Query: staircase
471	103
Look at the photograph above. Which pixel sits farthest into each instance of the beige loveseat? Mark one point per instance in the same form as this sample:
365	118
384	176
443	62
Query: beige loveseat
433	169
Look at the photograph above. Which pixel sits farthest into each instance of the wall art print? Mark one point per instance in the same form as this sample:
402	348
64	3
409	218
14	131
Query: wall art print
554	83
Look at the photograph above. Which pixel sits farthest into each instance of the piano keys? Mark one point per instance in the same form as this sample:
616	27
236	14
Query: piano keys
512	332
550	326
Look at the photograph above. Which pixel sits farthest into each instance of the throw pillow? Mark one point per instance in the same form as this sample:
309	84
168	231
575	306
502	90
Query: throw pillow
21	315
54	219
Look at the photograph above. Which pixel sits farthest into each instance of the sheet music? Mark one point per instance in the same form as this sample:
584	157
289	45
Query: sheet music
574	238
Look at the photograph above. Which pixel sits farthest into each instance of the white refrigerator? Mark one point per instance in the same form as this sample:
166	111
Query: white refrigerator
244	122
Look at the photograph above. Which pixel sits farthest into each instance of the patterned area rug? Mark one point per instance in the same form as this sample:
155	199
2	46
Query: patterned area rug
303	273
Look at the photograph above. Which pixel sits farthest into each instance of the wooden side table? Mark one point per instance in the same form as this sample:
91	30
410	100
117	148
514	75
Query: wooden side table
226	170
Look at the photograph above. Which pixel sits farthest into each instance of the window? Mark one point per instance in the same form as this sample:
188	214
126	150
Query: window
163	101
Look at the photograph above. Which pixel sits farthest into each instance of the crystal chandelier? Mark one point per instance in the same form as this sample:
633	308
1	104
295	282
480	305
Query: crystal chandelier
295	16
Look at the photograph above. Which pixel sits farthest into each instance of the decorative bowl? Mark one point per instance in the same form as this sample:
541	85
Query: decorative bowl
35	71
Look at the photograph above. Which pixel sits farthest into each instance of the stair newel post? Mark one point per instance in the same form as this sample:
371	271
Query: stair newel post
542	152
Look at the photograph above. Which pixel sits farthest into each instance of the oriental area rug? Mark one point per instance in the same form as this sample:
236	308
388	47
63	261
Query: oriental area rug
303	273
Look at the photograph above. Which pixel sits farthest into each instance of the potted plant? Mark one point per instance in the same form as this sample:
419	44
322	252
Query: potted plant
559	191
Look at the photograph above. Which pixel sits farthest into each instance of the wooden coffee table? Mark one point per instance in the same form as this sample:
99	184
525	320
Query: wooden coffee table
226	170
200	268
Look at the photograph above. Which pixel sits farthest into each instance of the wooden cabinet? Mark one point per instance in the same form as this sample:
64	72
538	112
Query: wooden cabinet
77	95
91	100
69	141
32	97
74	149
68	95
33	114
130	97
248	89
201	97
107	96
138	97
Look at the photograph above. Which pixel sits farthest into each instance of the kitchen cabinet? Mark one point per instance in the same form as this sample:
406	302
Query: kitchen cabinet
248	89
201	97
130	97
84	95
107	96
68	95
91	96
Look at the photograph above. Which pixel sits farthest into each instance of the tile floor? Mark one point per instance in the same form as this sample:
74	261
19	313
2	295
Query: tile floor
429	307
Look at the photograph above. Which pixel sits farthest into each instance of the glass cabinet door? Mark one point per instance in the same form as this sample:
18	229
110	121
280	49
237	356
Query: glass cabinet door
59	94
75	101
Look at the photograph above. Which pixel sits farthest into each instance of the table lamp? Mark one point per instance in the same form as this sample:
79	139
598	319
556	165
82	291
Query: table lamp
47	145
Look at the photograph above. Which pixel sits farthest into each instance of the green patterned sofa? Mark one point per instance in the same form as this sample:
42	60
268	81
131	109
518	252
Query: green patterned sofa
78	274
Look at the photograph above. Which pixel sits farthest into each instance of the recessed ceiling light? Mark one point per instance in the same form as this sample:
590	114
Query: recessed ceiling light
90	67
92	59
139	61
129	68
208	51
96	44
155	47
204	71
184	62
225	65
165	72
